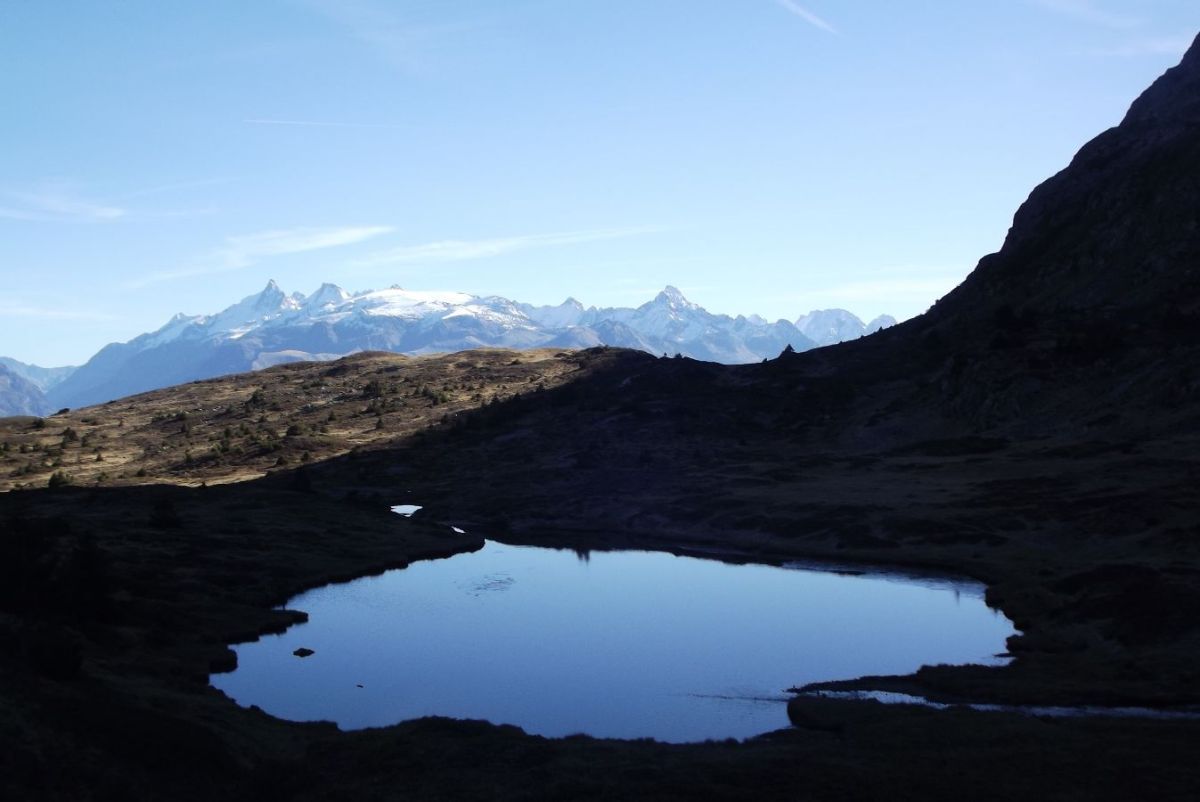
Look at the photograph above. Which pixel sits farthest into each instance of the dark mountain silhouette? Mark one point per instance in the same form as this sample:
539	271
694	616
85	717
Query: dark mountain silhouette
1086	321
1040	418
1038	429
1113	235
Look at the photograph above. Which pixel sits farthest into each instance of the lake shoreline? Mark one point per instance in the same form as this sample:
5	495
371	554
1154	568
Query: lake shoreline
233	558
639	658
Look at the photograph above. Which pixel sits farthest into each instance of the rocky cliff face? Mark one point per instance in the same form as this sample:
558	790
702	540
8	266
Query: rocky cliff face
1080	335
1116	232
1088	317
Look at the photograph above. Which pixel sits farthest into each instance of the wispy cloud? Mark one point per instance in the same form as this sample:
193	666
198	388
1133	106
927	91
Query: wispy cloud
1091	12
243	251
467	250
58	201
806	15
323	124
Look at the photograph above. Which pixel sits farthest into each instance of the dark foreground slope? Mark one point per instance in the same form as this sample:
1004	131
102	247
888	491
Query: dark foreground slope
117	602
988	437
239	427
1039	429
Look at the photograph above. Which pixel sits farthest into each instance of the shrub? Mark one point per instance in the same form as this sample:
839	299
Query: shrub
59	479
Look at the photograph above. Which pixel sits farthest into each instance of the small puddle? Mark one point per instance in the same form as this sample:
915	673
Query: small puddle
1051	711
624	644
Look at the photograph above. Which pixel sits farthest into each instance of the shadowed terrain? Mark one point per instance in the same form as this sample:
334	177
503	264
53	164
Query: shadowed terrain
1037	429
240	427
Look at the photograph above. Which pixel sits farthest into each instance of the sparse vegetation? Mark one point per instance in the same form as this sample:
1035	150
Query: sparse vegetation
241	427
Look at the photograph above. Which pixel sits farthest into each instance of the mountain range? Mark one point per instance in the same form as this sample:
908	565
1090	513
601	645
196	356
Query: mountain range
42	378
18	395
1038	429
274	327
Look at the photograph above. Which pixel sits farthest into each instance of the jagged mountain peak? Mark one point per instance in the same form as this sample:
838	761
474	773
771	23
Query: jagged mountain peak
272	326
829	326
272	295
252	311
325	296
672	296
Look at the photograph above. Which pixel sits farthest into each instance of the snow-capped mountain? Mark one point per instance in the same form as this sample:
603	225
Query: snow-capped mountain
830	326
273	327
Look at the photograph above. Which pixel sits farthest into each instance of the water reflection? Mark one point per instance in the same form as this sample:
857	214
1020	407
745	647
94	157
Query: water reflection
616	644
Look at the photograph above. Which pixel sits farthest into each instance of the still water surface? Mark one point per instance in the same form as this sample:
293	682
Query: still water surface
623	644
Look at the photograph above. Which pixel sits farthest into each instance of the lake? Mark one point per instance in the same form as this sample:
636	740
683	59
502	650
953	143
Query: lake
624	644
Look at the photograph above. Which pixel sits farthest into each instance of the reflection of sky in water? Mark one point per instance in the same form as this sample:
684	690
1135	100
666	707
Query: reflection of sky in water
623	644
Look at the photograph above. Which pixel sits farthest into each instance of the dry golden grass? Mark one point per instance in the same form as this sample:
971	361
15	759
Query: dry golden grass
241	427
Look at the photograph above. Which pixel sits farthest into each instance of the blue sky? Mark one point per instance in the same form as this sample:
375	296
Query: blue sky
765	156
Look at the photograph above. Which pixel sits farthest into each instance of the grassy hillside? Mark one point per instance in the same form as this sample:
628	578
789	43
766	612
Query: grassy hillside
243	426
1039	430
